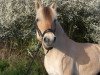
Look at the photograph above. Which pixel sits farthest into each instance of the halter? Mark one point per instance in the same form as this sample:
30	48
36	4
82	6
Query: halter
46	31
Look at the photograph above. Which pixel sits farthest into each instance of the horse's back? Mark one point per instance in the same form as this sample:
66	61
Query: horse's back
91	59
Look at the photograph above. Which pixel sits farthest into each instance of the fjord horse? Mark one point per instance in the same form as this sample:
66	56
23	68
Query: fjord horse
63	56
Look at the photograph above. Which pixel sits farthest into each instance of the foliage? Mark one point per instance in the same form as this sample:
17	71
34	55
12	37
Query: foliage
3	65
79	18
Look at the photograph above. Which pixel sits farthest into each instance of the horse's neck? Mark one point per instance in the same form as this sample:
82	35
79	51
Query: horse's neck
63	42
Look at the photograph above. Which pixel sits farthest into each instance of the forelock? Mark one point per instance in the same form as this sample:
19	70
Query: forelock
47	13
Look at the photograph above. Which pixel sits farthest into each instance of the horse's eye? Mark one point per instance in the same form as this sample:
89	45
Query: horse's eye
37	20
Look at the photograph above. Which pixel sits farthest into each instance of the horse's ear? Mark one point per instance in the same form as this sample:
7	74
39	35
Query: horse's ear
53	5
37	4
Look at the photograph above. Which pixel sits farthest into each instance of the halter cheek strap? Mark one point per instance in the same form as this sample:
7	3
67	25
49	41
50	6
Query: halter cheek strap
39	32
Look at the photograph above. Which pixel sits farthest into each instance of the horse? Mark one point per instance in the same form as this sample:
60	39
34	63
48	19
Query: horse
63	56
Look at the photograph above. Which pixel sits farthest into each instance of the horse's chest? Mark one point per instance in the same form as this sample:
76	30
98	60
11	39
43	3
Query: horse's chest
53	66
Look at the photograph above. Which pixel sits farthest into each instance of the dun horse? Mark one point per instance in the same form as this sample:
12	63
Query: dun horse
63	56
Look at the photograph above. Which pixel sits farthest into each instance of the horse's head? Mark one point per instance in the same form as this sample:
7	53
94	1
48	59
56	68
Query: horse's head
46	24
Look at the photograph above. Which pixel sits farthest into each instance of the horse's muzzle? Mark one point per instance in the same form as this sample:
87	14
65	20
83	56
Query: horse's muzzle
49	39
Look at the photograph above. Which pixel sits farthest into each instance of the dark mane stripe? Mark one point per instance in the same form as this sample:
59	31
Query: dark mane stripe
47	13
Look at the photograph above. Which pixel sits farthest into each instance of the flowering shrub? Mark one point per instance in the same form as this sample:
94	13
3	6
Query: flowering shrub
80	20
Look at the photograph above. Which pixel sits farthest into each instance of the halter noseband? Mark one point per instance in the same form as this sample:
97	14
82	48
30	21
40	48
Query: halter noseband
46	31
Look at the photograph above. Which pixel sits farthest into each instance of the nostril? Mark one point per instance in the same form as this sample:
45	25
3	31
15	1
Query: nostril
54	39
46	39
